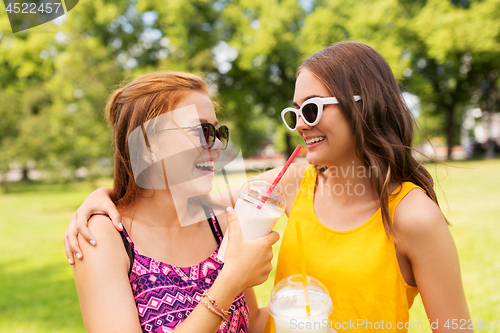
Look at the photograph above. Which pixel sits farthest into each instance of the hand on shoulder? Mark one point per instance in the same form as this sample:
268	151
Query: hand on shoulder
110	249
102	281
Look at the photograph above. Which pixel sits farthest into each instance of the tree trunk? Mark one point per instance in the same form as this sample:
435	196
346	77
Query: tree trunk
3	184
25	173
490	143
450	128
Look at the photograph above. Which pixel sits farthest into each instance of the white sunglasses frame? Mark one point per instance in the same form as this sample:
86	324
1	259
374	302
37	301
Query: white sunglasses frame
320	102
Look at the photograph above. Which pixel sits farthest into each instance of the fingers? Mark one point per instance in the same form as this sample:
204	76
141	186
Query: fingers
115	216
71	241
233	224
85	233
77	225
71	246
273	237
69	253
82	228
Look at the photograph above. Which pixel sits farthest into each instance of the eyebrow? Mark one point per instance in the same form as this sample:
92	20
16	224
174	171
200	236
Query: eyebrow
295	104
203	120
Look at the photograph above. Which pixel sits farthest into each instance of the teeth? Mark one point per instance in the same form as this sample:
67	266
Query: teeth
313	140
205	164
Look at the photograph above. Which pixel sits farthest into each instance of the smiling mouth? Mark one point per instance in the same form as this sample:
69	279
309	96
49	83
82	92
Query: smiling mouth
314	140
207	166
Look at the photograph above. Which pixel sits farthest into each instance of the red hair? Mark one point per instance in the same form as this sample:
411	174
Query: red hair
129	107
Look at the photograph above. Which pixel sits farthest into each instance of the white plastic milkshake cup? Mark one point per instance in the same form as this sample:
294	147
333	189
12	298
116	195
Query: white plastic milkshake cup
287	306
254	222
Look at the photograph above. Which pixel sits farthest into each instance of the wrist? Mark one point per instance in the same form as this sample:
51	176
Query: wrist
229	282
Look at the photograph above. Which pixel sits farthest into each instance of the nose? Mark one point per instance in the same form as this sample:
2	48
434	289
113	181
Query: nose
301	125
216	149
217	144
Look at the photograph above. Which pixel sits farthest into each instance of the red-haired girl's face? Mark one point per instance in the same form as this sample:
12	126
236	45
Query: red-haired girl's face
177	146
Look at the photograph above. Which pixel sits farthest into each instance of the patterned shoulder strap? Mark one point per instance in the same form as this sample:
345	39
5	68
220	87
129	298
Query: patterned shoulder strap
129	247
214	224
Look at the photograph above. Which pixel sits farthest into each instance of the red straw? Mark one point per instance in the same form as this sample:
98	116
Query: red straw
276	181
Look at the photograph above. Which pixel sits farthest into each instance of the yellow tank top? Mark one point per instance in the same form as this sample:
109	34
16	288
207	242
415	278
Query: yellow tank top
359	267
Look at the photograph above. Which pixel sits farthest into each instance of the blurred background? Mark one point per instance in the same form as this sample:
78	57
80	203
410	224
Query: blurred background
55	146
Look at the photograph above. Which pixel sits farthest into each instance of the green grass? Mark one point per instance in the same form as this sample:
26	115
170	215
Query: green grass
37	292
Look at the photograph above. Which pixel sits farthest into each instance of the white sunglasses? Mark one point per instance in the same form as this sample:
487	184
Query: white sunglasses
310	111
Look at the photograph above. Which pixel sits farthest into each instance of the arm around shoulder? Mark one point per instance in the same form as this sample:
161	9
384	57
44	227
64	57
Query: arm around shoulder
102	281
425	239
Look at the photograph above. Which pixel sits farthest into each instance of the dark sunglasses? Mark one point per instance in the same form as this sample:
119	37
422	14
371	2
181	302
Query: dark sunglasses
310	111
208	133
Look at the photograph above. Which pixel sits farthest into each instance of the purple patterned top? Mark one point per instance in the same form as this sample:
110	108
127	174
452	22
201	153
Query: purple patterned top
165	295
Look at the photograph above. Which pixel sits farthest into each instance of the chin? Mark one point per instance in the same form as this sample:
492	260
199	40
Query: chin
203	185
314	159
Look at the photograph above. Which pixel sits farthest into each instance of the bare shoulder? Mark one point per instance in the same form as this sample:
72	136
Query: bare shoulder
417	217
425	241
109	248
102	281
101	226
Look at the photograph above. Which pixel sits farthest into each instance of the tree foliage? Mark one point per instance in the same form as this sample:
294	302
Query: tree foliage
55	79
454	57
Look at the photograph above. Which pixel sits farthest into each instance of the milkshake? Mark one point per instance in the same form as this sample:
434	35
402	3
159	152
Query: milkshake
254	222
287	306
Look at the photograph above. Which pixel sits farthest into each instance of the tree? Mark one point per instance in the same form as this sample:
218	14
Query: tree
261	78
58	82
454	57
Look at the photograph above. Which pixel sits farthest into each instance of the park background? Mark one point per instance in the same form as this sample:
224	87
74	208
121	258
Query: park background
55	145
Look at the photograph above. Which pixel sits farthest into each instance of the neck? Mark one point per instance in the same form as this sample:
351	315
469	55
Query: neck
160	208
348	181
156	207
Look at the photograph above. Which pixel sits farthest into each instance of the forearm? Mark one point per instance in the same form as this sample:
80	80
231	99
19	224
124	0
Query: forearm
202	320
258	316
259	321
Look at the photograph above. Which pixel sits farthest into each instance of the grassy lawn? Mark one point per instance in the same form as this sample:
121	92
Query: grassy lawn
37	292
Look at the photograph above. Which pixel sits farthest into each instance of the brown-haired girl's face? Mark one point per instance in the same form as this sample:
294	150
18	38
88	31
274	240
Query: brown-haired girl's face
331	141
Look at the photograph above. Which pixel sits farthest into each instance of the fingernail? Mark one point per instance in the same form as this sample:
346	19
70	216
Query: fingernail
79	256
230	210
70	261
120	225
92	242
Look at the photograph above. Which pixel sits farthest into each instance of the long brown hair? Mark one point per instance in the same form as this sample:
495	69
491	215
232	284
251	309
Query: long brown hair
382	123
129	107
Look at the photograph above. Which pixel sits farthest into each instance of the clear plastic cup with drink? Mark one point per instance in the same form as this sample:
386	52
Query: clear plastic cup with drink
255	222
288	304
